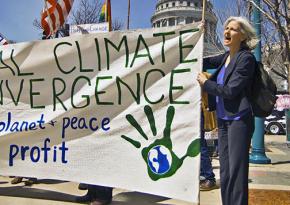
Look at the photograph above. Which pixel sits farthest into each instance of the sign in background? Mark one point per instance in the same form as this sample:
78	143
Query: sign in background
88	28
283	102
118	109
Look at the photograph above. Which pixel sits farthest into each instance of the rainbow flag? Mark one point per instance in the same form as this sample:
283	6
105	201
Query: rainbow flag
105	15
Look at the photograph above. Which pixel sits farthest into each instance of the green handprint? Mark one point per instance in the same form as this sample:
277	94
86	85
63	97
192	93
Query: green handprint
161	161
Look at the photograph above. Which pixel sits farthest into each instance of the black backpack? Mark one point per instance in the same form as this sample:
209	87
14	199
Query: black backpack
263	92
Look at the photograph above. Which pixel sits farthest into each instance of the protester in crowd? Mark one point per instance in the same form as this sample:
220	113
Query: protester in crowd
208	123
97	195
228	89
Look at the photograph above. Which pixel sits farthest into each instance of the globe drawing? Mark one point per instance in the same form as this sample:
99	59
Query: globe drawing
159	159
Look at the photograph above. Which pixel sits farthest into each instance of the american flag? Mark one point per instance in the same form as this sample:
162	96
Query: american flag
54	15
3	41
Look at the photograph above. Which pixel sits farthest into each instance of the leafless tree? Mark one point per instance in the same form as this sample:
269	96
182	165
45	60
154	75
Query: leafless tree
275	36
117	25
87	12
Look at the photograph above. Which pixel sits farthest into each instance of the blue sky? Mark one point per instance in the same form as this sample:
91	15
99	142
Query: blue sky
16	16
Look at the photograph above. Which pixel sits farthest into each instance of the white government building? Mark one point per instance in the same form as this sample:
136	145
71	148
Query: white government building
174	12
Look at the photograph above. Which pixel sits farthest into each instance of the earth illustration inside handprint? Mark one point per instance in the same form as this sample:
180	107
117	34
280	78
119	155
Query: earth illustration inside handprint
159	159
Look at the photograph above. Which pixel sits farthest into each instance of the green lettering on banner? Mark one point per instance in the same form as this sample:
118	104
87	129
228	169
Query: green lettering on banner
136	55
19	92
55	95
34	93
56	58
181	46
5	65
97	93
1	92
124	40
87	97
172	87
144	86
14	63
163	42
135	96
98	54
82	70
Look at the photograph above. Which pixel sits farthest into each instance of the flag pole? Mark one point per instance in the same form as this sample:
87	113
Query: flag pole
106	11
203	10
46	8
128	18
108	15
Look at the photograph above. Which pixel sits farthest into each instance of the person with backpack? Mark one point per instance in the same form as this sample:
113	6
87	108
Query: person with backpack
228	90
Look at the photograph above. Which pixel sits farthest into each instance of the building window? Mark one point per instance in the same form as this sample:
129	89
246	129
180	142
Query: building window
173	4
188	3
172	22
180	20
161	6
164	23
188	20
196	5
158	24
166	5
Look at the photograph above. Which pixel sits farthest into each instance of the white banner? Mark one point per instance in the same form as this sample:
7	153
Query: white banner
119	109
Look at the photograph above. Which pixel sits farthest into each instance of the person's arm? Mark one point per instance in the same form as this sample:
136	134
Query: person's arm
239	79
212	62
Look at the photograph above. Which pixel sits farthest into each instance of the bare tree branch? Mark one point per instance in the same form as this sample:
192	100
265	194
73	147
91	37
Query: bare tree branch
87	12
117	25
263	12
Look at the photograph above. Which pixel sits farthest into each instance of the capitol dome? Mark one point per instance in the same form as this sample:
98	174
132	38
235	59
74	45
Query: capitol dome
175	12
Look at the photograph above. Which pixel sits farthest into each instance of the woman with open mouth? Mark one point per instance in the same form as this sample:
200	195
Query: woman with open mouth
228	89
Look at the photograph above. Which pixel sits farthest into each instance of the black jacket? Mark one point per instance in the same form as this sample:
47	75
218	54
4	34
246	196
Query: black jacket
237	81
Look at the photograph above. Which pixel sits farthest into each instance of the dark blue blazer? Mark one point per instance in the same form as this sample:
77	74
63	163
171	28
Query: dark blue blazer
237	81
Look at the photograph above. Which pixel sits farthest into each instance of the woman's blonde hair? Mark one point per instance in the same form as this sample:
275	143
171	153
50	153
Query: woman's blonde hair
247	29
